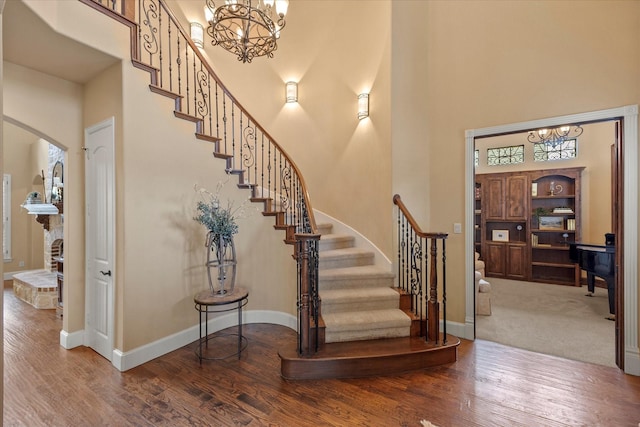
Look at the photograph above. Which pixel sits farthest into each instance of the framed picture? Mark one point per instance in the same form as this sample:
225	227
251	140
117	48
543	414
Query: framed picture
551	223
500	235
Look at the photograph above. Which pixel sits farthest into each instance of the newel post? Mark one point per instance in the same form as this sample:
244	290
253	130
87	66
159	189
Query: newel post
433	308
306	257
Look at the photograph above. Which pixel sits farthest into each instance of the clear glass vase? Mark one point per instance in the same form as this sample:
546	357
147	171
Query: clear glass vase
221	263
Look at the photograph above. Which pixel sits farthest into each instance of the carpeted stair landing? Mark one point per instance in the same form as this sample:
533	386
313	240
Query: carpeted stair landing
358	299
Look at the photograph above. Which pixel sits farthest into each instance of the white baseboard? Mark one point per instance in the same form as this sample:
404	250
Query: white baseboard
632	361
71	340
454	328
124	361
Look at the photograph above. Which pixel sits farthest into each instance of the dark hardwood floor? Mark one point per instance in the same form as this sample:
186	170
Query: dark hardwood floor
490	385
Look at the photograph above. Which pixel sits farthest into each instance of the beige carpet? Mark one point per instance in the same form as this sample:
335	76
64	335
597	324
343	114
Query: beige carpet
551	319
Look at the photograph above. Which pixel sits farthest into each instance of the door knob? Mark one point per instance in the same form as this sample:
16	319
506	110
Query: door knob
105	273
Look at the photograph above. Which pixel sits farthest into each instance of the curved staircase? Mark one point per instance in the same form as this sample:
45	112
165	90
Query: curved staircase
358	301
366	325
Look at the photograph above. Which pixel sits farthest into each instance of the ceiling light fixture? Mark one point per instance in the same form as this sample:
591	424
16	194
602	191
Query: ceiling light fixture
554	136
246	28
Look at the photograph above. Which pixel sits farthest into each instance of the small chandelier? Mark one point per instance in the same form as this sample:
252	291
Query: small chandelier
554	136
246	28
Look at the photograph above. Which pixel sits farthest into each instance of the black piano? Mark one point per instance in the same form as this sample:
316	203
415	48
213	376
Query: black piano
597	260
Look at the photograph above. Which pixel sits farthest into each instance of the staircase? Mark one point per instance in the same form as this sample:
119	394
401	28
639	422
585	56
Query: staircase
358	301
365	326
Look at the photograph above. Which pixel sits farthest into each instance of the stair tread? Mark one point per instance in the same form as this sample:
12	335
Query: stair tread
357	294
324	228
337	236
345	252
366	358
364	271
364	320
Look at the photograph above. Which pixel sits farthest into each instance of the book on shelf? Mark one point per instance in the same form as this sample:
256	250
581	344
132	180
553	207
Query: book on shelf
534	240
563	210
571	224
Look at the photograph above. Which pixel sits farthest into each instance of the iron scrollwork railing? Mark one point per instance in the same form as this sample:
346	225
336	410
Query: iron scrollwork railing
419	273
178	70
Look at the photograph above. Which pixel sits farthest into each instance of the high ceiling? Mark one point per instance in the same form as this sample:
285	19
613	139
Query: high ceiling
29	42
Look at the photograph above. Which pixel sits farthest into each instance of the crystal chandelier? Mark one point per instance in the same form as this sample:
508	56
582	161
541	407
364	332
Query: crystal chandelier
554	136
246	28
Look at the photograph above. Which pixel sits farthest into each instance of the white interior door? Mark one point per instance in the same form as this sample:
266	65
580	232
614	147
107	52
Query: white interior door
99	196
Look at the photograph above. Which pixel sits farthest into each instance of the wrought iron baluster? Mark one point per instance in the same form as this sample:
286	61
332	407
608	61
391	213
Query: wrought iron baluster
262	167
201	106
224	122
161	46
233	134
149	39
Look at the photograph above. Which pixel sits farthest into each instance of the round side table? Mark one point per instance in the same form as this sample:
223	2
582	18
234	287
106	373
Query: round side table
205	303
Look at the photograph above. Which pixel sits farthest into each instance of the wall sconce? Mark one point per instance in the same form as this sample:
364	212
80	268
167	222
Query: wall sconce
363	106
291	91
197	34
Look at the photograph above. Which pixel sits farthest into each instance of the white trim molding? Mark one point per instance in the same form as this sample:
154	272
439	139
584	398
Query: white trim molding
69	340
124	361
629	114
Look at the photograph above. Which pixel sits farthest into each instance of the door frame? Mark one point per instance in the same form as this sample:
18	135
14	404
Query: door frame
628	221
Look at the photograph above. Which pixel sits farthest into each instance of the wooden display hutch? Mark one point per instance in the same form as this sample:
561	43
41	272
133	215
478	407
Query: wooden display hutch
526	222
504	223
555	200
477	219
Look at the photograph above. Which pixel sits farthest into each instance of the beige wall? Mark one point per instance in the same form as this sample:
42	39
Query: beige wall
456	66
493	62
161	251
27	236
335	49
40	103
594	154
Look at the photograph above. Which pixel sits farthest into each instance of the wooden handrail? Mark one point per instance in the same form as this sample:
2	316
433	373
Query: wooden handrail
124	12
200	96
205	63
418	271
397	200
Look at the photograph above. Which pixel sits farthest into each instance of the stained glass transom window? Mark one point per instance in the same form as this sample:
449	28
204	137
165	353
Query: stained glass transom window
505	155
561	151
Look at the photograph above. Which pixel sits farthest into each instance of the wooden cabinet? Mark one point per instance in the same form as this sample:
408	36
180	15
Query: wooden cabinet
505	197
503	224
506	260
526	221
555	222
477	219
516	197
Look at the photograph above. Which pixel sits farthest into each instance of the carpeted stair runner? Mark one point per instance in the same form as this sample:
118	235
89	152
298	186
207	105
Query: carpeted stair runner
358	301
